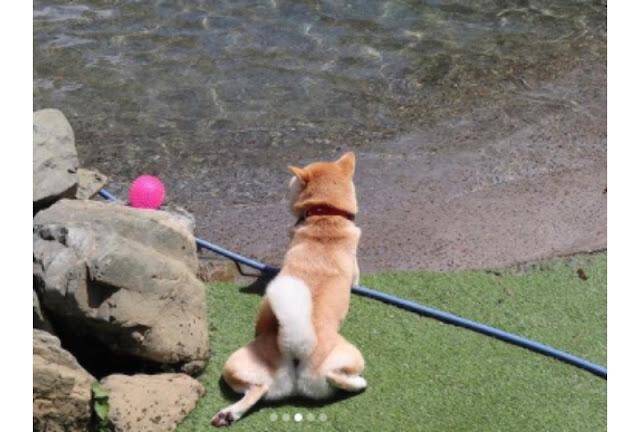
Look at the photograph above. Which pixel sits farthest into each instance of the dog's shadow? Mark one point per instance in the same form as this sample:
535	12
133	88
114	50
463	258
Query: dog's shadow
294	402
259	285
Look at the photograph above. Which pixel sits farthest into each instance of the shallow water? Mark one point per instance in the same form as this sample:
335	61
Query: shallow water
218	97
181	88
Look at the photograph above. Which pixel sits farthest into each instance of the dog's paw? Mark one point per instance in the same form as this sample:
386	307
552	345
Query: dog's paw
358	383
223	418
350	383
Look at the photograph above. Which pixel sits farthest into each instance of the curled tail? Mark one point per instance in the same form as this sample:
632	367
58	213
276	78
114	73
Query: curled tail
290	300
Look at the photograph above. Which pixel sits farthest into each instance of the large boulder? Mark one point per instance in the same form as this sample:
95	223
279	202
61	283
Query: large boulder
61	387
150	403
124	276
55	161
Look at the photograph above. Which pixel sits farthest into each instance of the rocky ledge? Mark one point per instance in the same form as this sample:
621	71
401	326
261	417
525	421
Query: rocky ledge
115	292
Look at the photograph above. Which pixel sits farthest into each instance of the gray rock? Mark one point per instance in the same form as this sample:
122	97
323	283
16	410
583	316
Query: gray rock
40	321
150	403
89	183
61	387
55	161
181	213
124	276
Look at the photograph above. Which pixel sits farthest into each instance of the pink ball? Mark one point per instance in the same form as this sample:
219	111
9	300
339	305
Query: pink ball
146	192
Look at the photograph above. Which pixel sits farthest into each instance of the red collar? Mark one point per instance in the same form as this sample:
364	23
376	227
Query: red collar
326	210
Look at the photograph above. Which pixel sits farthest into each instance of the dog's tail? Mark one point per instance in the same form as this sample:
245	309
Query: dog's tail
290	300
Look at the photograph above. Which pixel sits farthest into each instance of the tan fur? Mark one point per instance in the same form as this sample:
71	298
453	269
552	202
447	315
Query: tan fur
322	257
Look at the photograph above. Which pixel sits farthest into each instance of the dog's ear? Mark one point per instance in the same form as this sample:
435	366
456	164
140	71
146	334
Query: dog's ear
301	173
347	163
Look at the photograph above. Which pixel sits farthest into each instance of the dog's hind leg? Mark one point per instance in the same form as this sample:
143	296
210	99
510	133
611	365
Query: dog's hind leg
228	415
248	371
343	366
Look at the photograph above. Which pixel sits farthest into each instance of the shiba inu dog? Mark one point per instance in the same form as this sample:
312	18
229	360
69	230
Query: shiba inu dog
297	349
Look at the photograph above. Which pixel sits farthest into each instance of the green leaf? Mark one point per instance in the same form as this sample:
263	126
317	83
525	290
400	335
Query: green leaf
99	393
102	410
101	406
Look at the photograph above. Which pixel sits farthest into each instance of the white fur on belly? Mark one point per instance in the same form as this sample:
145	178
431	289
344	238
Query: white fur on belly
284	382
312	385
290	300
289	381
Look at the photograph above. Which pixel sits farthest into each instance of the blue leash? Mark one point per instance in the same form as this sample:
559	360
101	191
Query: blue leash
430	312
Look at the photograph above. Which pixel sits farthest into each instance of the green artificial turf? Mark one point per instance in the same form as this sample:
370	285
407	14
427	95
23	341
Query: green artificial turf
424	375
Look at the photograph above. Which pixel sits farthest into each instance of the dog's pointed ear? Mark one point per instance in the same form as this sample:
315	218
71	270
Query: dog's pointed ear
301	173
348	163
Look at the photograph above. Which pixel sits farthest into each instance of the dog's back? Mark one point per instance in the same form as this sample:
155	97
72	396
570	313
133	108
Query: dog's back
297	349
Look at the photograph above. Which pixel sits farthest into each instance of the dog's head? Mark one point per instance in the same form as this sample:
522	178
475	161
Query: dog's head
324	183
